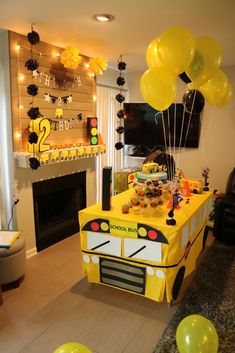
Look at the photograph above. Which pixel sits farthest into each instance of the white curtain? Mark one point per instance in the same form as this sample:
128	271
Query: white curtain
107	108
6	148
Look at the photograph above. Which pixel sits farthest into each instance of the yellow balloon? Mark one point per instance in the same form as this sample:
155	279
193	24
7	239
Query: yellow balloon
152	57
158	87
196	334
215	89
176	48
227	97
72	347
206	61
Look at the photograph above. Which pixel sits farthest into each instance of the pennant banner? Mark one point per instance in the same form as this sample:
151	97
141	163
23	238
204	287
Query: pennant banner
65	124
59	100
51	81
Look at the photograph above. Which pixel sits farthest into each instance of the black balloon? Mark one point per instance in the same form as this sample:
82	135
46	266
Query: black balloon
193	101
184	77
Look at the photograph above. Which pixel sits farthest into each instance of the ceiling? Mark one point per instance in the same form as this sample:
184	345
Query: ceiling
70	22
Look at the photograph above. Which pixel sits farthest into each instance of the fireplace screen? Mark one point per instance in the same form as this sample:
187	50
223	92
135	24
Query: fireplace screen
56	205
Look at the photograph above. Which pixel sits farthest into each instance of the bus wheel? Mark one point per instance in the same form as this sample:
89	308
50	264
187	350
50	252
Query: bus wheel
195	191
178	282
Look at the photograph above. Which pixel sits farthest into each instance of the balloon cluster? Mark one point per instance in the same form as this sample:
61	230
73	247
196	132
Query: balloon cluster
197	62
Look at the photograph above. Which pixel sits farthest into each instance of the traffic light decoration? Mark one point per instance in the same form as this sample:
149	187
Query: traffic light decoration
92	131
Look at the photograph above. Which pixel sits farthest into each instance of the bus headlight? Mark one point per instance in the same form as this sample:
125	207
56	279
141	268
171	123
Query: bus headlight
150	271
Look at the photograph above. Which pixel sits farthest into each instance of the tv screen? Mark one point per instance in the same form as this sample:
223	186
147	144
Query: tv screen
145	126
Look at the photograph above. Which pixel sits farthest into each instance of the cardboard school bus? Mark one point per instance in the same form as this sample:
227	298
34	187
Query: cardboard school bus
139	253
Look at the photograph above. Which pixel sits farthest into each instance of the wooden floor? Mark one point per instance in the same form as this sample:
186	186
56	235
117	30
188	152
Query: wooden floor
55	304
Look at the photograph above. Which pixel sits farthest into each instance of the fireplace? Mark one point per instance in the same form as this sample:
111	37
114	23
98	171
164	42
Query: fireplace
56	205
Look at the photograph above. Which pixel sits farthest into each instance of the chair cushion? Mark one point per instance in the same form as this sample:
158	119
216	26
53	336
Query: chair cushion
18	245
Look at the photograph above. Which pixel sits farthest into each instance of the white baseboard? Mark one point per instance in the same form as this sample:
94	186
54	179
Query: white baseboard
31	252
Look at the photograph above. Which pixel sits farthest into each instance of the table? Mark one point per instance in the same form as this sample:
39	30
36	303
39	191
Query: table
138	252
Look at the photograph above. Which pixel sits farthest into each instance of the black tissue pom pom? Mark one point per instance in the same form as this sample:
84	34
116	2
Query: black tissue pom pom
171	214
121	81
31	64
121	66
119	145
34	163
120	114
33	37
32	90
33	138
120	130
171	222
34	113
120	98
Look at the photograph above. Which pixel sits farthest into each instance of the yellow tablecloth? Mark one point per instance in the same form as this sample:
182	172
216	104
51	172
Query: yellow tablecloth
137	251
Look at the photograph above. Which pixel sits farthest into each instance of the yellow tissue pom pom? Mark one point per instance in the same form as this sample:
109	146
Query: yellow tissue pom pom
70	58
97	65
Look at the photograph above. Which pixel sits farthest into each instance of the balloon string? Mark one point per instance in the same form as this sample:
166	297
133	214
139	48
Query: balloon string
169	139
173	170
164	133
206	149
190	117
179	149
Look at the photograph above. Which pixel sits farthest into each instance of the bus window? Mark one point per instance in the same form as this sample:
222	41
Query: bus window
104	243
143	249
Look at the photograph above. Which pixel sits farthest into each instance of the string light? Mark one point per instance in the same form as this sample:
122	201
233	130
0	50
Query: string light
57	54
18	135
87	65
94	98
21	77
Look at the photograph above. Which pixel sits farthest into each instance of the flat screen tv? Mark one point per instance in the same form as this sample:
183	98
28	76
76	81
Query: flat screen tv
144	126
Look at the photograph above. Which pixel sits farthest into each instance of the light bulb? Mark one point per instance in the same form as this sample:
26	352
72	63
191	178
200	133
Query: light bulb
21	77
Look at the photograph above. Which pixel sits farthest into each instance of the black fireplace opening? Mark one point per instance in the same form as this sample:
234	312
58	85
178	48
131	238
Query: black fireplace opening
56	205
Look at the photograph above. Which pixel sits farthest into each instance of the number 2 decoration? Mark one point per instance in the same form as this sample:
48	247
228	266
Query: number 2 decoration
40	128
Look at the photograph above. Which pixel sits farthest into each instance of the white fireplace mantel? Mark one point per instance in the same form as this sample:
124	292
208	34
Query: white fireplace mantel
25	177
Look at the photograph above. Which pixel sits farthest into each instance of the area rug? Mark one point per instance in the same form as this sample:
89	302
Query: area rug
212	295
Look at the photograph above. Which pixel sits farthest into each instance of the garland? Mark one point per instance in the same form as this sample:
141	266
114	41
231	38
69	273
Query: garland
65	124
59	100
32	90
48	80
120	98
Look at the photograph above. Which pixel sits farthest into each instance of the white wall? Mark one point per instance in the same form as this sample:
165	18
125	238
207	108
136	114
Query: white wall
217	140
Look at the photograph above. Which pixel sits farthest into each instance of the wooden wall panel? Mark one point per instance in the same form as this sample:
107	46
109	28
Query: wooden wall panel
49	63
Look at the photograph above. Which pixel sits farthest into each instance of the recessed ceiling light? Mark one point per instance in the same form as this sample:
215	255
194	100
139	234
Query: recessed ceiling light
103	17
